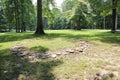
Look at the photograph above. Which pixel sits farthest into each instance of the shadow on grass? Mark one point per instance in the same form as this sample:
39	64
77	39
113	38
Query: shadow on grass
16	68
15	37
107	36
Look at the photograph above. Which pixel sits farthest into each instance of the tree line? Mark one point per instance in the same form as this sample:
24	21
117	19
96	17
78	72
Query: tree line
88	14
17	14
22	15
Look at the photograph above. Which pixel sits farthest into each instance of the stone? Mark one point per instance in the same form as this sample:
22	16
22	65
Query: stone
97	78
76	52
77	49
19	65
116	73
70	51
53	55
30	58
58	53
64	53
105	77
43	57
81	48
5	71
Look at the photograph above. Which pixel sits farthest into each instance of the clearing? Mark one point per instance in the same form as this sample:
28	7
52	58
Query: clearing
60	55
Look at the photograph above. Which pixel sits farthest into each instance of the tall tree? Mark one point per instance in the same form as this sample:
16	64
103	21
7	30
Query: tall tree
107	8
18	13
114	16
39	29
3	26
77	13
43	6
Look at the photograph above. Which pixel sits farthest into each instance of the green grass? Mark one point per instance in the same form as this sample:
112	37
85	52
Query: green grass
75	69
56	39
63	69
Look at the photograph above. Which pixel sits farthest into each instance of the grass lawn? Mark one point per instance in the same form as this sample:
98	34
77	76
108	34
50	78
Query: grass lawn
104	47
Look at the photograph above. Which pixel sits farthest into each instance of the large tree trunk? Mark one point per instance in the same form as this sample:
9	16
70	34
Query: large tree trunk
114	17
22	17
39	29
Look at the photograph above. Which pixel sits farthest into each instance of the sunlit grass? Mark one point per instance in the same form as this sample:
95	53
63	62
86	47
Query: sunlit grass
75	68
56	39
64	68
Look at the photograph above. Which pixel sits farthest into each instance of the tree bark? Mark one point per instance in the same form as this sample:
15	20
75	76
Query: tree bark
114	16
39	29
78	24
104	21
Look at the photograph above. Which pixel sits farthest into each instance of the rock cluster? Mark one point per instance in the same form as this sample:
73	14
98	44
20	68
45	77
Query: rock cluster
21	51
105	76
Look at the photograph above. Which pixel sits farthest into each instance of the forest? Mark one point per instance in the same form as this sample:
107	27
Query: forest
21	15
78	40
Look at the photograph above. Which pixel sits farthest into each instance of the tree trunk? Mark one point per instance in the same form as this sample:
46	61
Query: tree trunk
16	26
114	17
116	21
78	24
22	17
39	29
104	23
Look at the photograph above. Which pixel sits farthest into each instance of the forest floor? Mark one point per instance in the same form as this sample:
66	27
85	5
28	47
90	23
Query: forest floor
60	55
